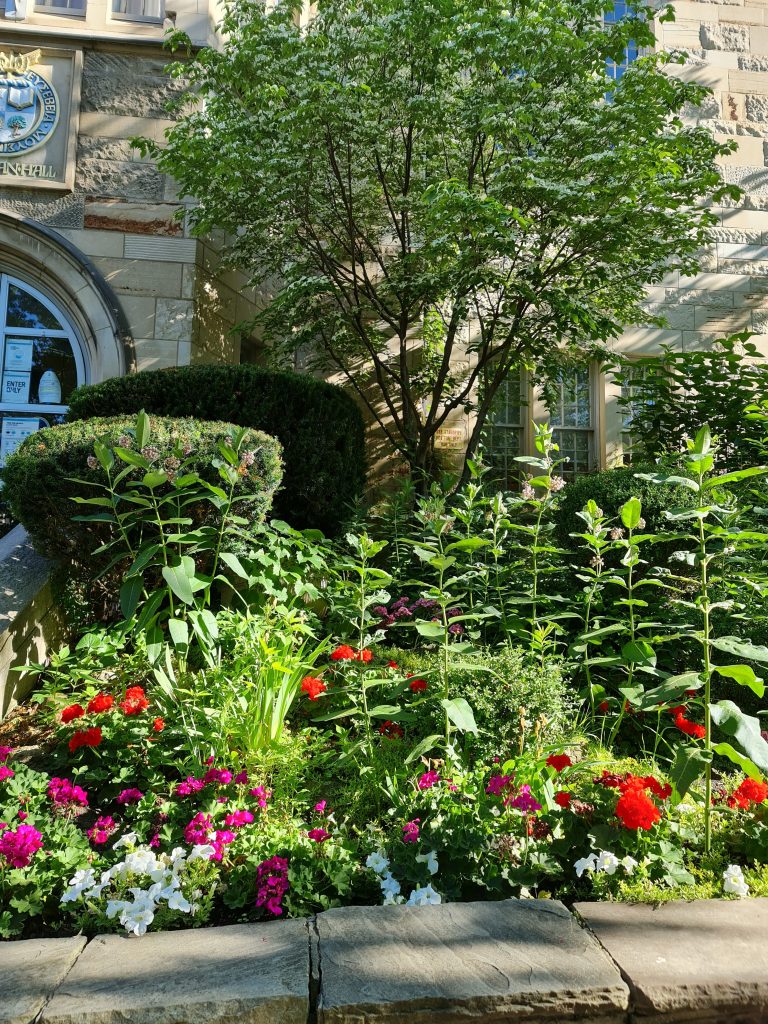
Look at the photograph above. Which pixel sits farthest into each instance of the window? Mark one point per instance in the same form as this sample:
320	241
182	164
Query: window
73	7
615	69
41	363
633	399
139	10
572	420
503	434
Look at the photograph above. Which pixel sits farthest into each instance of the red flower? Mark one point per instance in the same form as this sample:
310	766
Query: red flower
603	706
158	725
85	738
135	701
313	687
563	799
636	810
364	656
392	664
750	791
559	762
663	792
101	702
391	730
343	653
72	712
688	727
417	685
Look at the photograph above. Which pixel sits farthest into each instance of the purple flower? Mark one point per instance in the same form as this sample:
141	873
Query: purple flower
523	801
497	784
320	808
261	795
65	793
190	785
221	776
456	629
197	831
241	779
272	884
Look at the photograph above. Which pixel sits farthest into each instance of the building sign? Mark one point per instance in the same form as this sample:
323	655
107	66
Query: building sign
39	99
450	438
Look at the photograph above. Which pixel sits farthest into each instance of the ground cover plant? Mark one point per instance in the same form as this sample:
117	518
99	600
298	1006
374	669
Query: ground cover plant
427	709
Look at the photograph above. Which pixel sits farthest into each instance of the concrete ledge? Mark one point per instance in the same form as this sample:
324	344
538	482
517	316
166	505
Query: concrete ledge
512	960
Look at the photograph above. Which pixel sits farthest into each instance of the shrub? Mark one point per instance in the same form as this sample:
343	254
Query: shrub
52	468
318	425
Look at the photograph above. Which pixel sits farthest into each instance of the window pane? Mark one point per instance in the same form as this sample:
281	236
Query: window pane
571	420
138	9
503	434
61	6
26	311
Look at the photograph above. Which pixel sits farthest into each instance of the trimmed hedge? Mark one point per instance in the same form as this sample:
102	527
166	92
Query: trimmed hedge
318	425
39	485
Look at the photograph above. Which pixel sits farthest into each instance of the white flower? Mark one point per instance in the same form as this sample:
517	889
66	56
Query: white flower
389	883
629	864
177	901
129	839
141	861
424	897
607	862
80	881
115	907
733	881
585	864
430	859
137	918
392	899
377	862
202	852
176	858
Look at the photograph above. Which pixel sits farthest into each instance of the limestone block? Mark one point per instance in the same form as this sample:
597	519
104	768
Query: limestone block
140	313
98	148
750	81
174	319
154	354
511	960
30	971
94	243
252	974
752	63
123	127
719	36
142	277
133	217
736	235
743	15
701	961
725	321
119	178
759	40
127	86
719	299
760	321
678	317
753	179
756	108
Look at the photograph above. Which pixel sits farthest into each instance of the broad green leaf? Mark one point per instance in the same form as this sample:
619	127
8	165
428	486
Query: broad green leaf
461	714
154	479
431	630
181	579
747	766
233	563
743	675
427	744
638	652
744	729
385	711
130	595
143	431
179	631
670	690
734	478
689	764
104	455
741	648
631	512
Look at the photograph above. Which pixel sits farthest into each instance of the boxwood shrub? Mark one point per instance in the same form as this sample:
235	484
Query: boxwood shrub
318	425
39	485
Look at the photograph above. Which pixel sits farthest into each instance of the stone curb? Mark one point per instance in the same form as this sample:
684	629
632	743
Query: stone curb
530	960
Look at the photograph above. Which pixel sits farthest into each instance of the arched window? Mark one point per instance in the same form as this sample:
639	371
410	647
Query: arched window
41	360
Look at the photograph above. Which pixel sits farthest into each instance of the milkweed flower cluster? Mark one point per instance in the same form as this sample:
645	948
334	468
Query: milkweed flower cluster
171	886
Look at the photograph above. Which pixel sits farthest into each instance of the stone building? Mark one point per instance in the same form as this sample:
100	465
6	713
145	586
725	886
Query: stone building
99	276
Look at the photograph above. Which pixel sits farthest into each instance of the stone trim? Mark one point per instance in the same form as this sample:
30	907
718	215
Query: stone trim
511	960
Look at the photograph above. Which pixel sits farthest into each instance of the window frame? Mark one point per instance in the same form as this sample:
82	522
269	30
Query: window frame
142	19
522	429
593	431
40	7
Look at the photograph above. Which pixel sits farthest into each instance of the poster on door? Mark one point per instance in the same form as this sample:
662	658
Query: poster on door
16	387
15	430
18	355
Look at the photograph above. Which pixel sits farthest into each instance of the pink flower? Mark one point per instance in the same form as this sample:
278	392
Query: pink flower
497	784
190	785
241	779
197	831
5	753
101	830
411	831
6	772
19	846
221	776
318	835
221	839
238	818
428	780
272	884
261	795
130	796
523	801
320	808
22	815
65	793
154	842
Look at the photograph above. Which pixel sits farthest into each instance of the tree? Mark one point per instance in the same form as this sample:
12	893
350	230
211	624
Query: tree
397	161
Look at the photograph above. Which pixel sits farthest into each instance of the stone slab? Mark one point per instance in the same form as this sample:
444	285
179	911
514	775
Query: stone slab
510	960
238	974
703	961
30	971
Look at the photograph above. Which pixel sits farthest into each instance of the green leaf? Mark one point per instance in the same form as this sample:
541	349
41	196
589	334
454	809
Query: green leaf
670	690
734	478
743	675
181	579
179	631
747	766
689	764
741	648
638	652
130	595
154	479
744	729
461	714
233	563
703	441
431	630
631	512
143	430
385	711
427	744
104	455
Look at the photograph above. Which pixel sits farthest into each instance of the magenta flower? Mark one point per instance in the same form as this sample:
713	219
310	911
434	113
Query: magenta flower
272	884
261	795
65	793
19	846
130	796
5	753
190	785
221	776
411	831
22	815
154	842
497	784
6	772
101	830
197	831
318	835
238	818
523	801
428	780
320	807
241	779
222	838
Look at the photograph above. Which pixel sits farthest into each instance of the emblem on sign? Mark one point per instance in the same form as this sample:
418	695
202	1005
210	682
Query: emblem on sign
29	106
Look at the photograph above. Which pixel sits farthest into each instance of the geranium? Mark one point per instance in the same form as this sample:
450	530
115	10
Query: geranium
563	798
523	801
197	831
663	792
313	687
220	776
85	738
272	884
750	791
158	725
417	685
221	838
391	730
18	846
135	701
238	818
411	831
685	725
5	753
318	835
101	830
636	810
261	795
130	796
69	714
190	785
343	653
392	664
365	656
64	793
559	762
428	780
100	703
497	784
241	779
6	772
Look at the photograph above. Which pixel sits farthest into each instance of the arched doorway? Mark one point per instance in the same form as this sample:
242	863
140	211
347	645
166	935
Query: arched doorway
42	361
